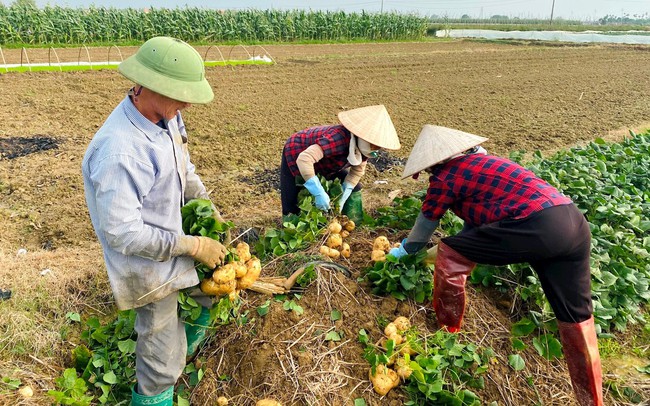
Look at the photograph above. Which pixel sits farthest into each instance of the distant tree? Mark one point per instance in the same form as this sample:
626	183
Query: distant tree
499	17
465	17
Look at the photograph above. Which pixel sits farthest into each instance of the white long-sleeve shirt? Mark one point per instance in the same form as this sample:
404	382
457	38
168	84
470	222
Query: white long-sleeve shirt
137	175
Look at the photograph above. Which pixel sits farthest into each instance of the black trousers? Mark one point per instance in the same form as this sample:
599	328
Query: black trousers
556	242
289	190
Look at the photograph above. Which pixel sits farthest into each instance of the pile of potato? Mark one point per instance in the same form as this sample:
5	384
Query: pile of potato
386	378
380	248
234	276
334	246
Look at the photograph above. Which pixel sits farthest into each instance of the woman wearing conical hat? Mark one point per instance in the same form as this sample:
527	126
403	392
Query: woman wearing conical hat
511	216
335	151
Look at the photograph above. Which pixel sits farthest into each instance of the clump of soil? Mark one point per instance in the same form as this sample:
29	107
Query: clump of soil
263	180
384	161
15	147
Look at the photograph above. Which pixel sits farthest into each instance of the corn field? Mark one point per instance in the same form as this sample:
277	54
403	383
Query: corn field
21	24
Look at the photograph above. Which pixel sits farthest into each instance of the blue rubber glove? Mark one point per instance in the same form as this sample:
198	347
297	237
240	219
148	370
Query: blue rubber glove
347	190
316	189
399	251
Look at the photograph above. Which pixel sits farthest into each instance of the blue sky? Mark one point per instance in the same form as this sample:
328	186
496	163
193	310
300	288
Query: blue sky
570	9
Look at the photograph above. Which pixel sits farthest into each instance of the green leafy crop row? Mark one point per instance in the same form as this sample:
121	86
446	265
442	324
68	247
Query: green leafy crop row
26	24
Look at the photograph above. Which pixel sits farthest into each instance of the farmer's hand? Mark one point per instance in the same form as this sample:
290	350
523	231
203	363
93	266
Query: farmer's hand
208	251
316	189
399	251
347	190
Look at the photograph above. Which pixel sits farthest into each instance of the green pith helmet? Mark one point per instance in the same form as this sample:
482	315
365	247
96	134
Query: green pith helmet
169	67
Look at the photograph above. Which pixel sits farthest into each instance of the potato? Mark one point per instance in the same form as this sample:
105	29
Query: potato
268	402
349	226
243	252
324	250
245	282
240	269
255	266
407	349
390	329
403	368
397	338
222	401
26	391
254	269
345	250
224	274
334	227
232	296
345	234
334	253
210	287
381	243
384	380
334	241
402	324
378	255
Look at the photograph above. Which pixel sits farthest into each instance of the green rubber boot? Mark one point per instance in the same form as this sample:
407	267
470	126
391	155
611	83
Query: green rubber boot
166	398
196	332
353	207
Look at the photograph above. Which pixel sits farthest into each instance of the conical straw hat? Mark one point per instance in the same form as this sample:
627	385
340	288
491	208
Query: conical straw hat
373	124
435	144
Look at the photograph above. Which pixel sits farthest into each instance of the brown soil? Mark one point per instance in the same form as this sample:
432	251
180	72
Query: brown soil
523	97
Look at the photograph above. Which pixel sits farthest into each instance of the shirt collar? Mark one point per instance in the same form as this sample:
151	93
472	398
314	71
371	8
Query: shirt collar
139	121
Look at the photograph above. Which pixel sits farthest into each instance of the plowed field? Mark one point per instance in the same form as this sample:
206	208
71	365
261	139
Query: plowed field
522	96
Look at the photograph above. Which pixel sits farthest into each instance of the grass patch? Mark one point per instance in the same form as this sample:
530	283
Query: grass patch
68	68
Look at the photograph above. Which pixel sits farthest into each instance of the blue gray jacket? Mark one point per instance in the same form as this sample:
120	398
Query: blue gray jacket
137	175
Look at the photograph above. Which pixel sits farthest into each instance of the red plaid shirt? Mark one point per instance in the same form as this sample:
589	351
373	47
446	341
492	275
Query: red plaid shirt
483	189
334	140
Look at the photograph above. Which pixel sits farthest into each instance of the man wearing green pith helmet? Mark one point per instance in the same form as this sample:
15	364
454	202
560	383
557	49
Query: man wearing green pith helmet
137	175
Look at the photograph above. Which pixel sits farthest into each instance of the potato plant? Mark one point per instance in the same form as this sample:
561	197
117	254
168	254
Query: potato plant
400	215
197	220
405	277
299	230
104	364
240	270
431	369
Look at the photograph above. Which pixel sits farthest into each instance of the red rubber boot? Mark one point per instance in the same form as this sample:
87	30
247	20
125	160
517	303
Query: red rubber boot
450	275
580	347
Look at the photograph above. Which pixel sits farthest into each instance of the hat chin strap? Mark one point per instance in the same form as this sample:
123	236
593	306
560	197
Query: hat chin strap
354	155
365	147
